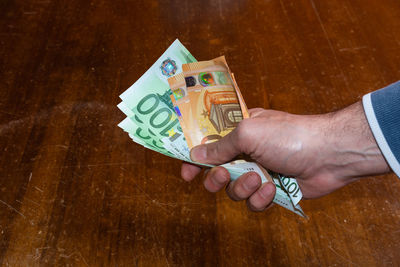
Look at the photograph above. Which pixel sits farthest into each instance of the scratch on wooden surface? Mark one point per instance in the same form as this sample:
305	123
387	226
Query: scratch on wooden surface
174	204
113	163
99	164
152	200
62	255
265	95
341	256
155	236
155	202
30	13
329	43
117	80
342	226
38	189
262	55
83	259
8	113
30	200
220	5
62	146
166	260
352	48
12	208
284	9
249	241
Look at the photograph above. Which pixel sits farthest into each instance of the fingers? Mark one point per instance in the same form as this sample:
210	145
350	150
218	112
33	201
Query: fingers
248	186
244	186
216	179
218	152
189	171
261	199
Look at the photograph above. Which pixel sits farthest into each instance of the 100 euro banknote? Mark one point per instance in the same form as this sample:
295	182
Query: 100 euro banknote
149	98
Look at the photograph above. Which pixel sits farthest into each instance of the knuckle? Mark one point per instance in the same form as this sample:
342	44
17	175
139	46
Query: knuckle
217	149
244	132
243	129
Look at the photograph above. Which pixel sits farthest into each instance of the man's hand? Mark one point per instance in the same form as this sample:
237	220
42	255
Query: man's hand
324	152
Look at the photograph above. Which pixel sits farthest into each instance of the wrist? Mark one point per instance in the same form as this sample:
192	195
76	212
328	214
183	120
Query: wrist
353	149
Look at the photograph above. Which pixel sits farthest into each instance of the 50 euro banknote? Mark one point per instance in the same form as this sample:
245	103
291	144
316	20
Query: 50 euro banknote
206	101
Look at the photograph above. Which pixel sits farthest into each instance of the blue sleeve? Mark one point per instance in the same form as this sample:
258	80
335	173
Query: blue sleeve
382	109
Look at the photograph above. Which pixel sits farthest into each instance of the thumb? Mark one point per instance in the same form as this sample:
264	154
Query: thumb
217	152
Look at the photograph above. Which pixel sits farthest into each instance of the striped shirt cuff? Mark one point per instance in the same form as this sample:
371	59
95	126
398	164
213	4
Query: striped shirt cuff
378	134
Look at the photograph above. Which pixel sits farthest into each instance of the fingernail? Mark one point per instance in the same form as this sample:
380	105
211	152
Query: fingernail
251	182
198	153
266	190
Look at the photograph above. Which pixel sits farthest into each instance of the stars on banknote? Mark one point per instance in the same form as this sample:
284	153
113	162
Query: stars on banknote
205	113
171	132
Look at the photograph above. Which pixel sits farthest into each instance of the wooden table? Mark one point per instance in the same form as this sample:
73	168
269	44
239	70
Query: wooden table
75	190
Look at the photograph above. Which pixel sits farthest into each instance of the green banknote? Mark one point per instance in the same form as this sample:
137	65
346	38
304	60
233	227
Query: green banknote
132	129
140	135
149	97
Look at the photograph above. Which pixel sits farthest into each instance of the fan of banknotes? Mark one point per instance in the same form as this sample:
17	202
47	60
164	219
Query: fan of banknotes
180	103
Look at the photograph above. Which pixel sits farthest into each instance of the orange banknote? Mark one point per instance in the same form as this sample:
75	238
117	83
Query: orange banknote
210	105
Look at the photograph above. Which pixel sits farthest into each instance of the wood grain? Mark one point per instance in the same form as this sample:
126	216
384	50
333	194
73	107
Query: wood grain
76	191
